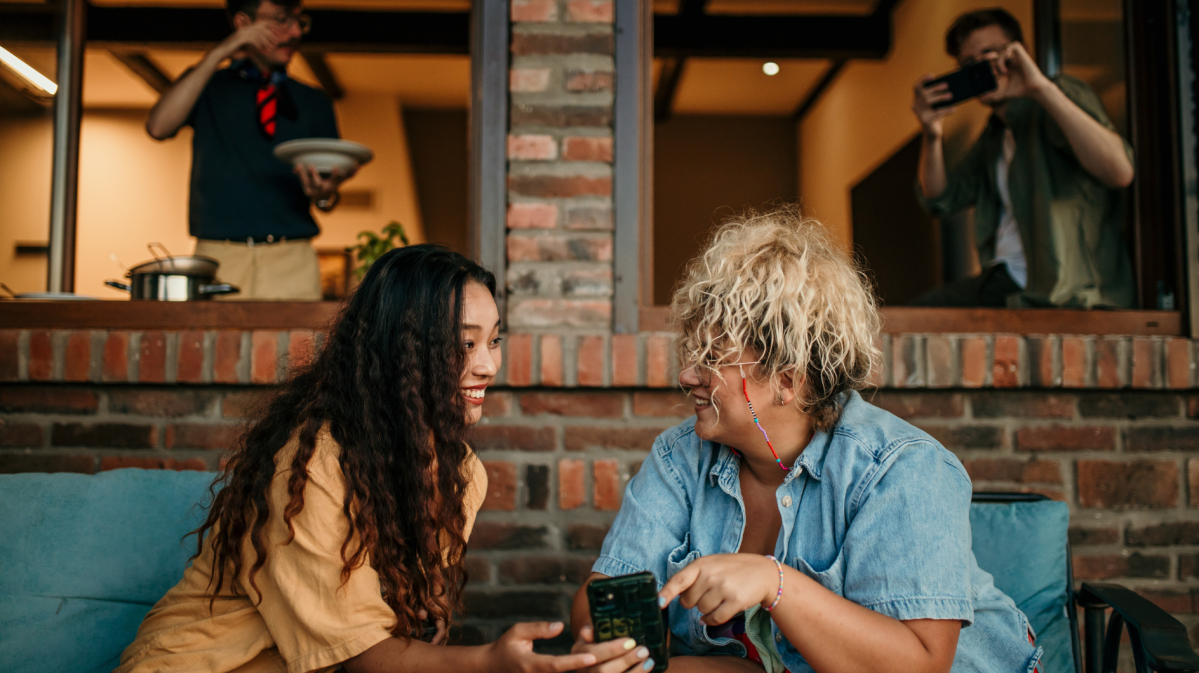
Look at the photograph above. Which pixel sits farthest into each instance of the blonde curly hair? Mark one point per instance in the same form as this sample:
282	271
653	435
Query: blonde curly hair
773	283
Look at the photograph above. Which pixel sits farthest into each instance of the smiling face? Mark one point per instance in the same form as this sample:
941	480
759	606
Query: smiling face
481	341
984	43
721	413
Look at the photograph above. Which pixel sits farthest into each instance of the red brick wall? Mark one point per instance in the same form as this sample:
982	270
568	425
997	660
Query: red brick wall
1126	461
560	165
1105	424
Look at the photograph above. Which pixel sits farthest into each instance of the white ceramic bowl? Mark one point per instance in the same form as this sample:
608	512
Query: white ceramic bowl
325	154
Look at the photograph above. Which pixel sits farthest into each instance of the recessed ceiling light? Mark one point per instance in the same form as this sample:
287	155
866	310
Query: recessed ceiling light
770	68
27	73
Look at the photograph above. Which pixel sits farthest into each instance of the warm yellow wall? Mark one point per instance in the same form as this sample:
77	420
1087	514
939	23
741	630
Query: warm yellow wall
134	190
865	116
24	199
376	121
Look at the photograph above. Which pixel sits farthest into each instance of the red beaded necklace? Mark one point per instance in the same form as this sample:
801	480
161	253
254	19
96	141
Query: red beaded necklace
745	391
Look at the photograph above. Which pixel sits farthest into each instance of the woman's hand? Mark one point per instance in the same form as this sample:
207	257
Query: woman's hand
442	633
723	585
614	656
514	651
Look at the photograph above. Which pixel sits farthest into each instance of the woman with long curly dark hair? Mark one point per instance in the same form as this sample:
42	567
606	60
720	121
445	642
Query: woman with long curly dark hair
338	532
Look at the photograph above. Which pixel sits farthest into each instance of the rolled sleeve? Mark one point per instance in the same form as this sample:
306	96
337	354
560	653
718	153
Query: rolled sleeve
653	520
317	620
1089	102
962	185
907	550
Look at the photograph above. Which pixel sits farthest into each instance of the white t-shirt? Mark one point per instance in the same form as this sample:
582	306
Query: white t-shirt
1008	248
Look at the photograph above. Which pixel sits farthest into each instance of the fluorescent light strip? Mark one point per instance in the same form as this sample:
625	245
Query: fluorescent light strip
26	72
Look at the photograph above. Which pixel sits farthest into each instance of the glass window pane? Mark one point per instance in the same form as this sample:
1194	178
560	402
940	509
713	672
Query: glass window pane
26	139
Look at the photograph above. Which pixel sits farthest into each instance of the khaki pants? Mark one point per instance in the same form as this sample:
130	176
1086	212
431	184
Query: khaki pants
282	271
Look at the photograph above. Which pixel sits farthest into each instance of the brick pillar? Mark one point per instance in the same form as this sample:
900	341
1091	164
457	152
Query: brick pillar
560	165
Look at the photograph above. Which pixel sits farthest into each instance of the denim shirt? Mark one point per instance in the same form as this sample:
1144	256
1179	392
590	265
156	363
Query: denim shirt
875	511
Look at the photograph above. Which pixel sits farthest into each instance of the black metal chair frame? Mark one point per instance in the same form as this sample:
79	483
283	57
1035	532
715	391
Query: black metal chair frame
1159	642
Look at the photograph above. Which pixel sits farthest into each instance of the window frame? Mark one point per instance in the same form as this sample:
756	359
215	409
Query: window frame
634	311
632	169
488	172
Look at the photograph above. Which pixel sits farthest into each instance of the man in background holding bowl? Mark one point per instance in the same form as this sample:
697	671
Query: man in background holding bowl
250	211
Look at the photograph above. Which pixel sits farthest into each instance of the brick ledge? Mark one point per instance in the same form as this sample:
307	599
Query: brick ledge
600	360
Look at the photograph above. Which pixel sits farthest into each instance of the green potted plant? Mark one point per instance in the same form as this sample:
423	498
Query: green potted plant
371	246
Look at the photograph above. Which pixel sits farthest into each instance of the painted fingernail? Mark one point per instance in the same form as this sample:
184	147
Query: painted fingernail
661	602
648	665
643	653
630	644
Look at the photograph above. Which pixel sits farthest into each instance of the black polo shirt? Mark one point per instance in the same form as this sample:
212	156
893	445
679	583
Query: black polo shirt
238	188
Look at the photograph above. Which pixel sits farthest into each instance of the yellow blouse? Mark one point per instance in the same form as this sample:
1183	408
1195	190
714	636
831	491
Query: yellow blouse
307	620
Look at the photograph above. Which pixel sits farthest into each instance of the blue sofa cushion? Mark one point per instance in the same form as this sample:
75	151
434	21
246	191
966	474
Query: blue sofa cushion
1023	546
85	557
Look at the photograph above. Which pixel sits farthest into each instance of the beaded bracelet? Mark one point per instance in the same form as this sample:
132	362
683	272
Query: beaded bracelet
779	595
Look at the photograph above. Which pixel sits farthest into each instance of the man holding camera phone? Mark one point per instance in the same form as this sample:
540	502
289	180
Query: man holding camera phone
1046	177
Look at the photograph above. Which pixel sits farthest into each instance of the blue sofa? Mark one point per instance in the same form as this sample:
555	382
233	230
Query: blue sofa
83	558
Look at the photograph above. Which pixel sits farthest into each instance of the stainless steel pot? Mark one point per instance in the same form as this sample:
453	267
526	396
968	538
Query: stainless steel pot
171	278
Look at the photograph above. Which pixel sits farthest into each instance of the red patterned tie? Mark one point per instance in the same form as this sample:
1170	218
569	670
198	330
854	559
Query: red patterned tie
267	103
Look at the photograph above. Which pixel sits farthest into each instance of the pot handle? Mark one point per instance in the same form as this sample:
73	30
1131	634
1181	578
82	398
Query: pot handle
220	288
118	285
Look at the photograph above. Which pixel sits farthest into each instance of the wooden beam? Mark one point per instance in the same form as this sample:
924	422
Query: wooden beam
200	28
809	101
324	74
683	35
672	68
730	36
140	64
668	86
884	8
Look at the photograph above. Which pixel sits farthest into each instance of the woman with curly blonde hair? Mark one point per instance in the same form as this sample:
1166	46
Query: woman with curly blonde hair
790	524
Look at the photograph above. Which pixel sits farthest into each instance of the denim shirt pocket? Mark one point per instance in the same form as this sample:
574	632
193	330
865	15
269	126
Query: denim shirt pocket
698	640
680	557
831	578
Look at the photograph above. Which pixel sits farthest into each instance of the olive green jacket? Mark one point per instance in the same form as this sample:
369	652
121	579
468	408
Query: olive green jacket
1070	223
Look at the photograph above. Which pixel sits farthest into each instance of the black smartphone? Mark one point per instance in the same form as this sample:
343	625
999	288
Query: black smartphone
426	630
627	607
973	80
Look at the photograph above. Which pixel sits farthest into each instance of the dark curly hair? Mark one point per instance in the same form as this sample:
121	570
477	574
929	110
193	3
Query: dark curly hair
387	383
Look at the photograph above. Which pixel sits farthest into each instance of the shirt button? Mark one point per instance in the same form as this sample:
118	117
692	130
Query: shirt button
778	637
786	501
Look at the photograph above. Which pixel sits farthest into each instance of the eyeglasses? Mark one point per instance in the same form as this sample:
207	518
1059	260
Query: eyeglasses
704	371
283	22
